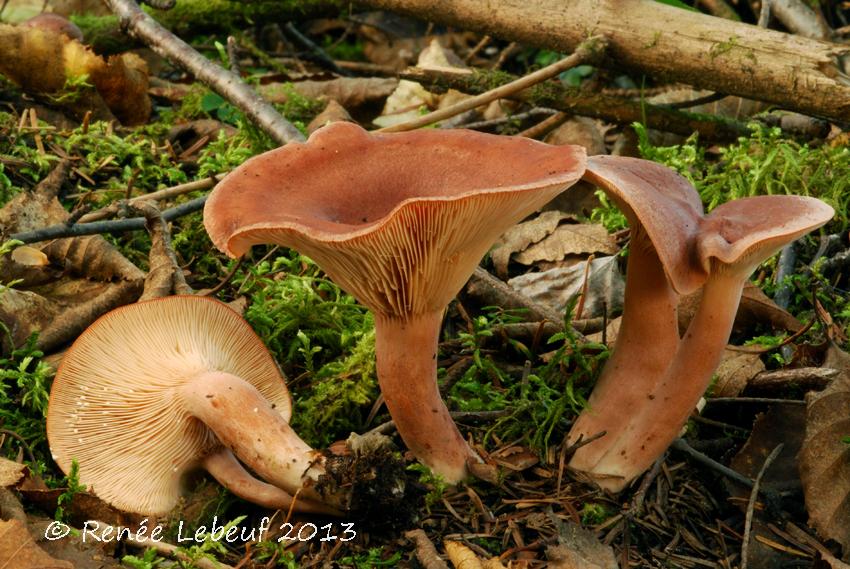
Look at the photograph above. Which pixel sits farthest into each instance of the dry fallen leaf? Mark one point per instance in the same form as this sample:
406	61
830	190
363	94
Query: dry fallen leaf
579	130
350	92
43	61
734	372
570	239
825	461
334	112
520	236
557	287
29	256
11	472
18	550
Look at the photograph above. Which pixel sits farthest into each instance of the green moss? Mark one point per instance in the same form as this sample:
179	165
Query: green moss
229	15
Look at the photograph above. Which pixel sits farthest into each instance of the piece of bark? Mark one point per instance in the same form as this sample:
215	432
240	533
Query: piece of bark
805	378
666	43
490	291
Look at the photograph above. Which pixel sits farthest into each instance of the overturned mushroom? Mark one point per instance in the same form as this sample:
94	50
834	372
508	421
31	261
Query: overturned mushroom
155	389
664	212
733	240
399	221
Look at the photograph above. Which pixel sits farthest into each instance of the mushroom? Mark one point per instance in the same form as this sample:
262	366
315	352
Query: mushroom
732	241
55	23
399	221
155	389
664	212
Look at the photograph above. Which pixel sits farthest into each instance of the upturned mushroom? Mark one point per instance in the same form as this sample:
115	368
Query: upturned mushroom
732	241
153	390
399	221
664	213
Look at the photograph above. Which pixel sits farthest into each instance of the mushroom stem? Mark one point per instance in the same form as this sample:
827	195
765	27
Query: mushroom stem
406	350
633	369
230	473
674	397
245	422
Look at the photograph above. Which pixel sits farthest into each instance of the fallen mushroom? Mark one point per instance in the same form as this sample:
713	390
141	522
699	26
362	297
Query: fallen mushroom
664	212
155	389
400	221
732	241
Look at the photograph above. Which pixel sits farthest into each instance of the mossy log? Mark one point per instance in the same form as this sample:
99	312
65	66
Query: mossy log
667	43
612	109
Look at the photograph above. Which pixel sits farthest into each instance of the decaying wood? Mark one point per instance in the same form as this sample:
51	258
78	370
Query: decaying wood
806	378
426	553
606	107
165	275
492	292
666	43
144	28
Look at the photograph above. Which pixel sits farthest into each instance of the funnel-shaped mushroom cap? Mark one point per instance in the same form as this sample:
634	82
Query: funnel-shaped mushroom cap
745	232
113	405
661	201
397	220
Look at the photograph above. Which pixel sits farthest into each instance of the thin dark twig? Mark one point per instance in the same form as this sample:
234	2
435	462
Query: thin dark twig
704	100
318	53
682	446
230	274
98	227
755	400
748	520
21	440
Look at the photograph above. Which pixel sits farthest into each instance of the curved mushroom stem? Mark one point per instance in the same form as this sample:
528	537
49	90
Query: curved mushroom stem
406	352
674	397
246	423
230	473
636	365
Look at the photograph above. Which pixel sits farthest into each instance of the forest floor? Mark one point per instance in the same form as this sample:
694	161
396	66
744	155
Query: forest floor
514	380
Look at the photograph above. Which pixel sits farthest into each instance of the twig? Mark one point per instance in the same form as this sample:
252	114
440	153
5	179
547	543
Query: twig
479	125
764	14
426	553
98	227
144	28
318	53
806	378
589	50
233	56
545	126
782	344
704	100
230	274
680	445
492	291
755	400
21	440
748	520
163	194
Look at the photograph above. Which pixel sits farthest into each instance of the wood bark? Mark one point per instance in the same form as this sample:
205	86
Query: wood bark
666	43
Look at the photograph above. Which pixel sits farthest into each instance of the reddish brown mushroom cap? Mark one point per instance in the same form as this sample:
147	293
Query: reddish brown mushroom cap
663	203
114	405
389	215
745	232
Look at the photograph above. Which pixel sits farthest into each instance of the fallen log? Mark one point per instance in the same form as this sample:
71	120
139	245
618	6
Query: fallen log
666	43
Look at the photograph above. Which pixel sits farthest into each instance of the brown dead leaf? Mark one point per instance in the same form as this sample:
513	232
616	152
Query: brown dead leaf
780	424
18	550
520	236
334	112
44	61
11	472
570	239
734	372
579	130
755	308
62	305
580	549
825	461
602	285
84	506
